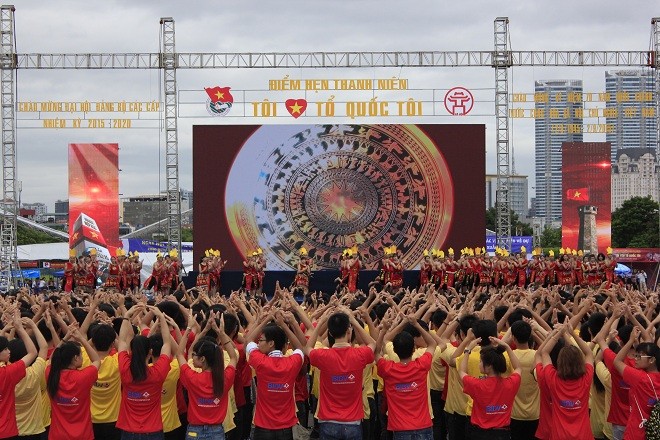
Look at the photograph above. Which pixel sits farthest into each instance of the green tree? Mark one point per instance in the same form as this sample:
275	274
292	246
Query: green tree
27	235
516	225
636	223
187	234
551	237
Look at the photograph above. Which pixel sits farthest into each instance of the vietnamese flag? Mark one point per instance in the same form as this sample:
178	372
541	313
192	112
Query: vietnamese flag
219	94
578	194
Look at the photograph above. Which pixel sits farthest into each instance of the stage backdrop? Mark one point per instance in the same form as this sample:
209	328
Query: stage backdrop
93	195
329	187
586	207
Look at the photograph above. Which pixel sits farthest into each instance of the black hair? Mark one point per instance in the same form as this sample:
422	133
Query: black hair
522	331
273	332
140	346
650	349
484	328
4	343
79	314
404	345
231	325
61	359
624	333
493	357
518	315
466	323
596	322
338	325
215	360
438	317
103	336
16	350
499	312
156	345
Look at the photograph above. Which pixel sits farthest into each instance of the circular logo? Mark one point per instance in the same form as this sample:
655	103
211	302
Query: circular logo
218	108
329	187
459	101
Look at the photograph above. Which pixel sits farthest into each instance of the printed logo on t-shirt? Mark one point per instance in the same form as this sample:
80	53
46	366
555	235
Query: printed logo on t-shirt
623	385
207	402
570	404
138	395
101	385
343	379
496	409
66	401
405	387
275	387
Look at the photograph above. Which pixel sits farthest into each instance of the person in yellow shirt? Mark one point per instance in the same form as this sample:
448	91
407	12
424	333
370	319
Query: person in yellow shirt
172	428
526	405
29	404
106	392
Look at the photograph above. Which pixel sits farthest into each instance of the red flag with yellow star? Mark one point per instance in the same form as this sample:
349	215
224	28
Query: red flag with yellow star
219	94
578	194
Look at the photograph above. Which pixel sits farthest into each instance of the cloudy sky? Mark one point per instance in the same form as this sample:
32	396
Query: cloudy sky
82	26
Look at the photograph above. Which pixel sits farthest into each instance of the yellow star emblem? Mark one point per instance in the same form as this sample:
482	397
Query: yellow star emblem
577	194
219	95
295	108
95	235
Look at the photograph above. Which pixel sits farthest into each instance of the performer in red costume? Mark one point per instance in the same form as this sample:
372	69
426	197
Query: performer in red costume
521	267
396	269
354	265
136	265
203	274
426	269
112	282
69	271
451	268
303	272
609	267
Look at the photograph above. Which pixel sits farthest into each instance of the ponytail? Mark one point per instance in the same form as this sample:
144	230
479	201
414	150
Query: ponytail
215	360
61	359
139	351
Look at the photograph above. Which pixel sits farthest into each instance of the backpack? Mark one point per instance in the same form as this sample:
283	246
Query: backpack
652	424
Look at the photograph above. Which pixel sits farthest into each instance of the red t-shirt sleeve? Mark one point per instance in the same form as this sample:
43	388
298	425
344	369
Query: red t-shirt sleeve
366	355
89	376
162	366
632	376
470	385
256	359
16	371
230	373
425	361
383	366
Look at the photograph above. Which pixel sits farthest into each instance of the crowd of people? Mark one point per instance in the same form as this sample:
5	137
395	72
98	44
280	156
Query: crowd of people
461	361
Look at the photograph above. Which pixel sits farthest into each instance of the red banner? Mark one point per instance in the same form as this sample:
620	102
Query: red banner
637	255
94	190
586	207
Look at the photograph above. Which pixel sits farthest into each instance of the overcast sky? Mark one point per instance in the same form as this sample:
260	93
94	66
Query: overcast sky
83	26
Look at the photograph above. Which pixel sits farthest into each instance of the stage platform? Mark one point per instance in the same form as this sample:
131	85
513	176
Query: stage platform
322	280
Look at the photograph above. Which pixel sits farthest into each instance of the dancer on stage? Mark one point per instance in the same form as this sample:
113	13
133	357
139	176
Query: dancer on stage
136	269
69	272
157	273
354	265
303	272
426	269
609	265
437	267
395	269
451	269
203	274
113	280
250	281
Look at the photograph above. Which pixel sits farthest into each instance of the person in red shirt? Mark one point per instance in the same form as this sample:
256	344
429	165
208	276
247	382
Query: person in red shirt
275	410
10	376
139	412
70	390
492	395
340	410
208	390
405	383
644	382
569	385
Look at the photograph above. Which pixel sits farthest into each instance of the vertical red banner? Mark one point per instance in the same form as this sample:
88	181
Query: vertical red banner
586	196
94	194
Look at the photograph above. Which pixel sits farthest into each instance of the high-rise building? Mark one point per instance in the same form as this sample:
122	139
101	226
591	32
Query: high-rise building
61	207
558	118
518	194
630	110
635	173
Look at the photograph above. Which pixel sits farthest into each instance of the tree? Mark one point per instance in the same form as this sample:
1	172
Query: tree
551	237
636	224
27	235
516	225
187	234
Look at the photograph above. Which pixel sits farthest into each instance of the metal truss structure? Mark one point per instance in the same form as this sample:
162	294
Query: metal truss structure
501	59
